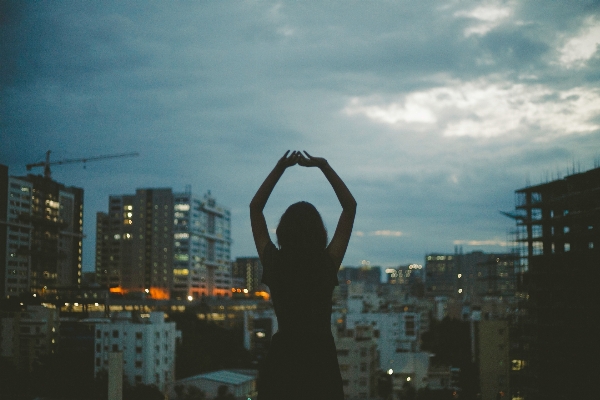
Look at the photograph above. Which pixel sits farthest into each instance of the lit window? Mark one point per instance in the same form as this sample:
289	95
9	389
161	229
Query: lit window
181	207
517	365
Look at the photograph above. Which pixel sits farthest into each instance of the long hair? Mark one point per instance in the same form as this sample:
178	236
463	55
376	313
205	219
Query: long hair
301	228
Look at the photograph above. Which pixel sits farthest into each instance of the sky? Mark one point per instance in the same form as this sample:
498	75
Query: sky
432	112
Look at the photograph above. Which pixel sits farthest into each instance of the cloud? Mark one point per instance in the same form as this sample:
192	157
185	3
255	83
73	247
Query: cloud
487	16
583	46
491	242
486	108
386	233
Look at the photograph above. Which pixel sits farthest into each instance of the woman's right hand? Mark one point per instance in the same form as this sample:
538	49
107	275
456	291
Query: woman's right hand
293	159
310	161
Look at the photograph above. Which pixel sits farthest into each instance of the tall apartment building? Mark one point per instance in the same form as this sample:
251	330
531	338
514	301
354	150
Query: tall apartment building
247	272
147	343
41	231
164	244
558	225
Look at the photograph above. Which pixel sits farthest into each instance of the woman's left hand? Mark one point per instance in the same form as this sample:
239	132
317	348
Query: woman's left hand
288	161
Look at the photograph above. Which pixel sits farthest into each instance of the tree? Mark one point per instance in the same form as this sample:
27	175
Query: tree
189	393
223	393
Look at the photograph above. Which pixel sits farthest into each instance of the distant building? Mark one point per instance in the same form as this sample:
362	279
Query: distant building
470	275
41	231
240	384
556	346
28	335
493	359
369	276
247	271
164	245
147	343
393	333
359	362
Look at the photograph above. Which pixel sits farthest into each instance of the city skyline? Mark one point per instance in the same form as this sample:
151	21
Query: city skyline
432	113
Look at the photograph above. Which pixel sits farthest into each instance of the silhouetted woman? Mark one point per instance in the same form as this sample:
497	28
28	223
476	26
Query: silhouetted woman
301	274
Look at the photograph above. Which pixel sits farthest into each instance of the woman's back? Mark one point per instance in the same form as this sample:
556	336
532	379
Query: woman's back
301	287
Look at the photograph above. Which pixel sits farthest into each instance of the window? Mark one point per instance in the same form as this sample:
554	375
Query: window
138	364
363	352
342	352
115	334
138	350
115	347
138	335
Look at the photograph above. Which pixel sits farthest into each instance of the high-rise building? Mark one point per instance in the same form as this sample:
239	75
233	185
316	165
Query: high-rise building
247	271
41	224
556	346
164	244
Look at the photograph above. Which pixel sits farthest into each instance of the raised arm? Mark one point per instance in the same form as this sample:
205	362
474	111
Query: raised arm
257	205
339	243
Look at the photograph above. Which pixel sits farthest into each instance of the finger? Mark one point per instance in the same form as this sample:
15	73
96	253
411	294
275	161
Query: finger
308	155
286	153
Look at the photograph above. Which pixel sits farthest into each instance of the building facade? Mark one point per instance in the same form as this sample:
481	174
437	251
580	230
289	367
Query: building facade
247	272
164	245
41	231
359	362
147	343
555	346
28	335
472	276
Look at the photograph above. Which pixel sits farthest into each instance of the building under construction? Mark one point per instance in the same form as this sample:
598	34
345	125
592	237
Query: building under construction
555	336
41	225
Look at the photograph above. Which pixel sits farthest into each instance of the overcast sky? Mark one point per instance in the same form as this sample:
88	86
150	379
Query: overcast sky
433	112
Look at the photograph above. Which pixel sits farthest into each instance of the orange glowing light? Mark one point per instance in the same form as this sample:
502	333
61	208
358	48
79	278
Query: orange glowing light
117	289
159	293
262	294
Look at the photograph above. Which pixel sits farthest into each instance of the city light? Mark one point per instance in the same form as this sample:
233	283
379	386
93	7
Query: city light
390	371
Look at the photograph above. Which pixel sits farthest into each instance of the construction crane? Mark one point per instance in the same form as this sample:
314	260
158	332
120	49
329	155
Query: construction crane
46	164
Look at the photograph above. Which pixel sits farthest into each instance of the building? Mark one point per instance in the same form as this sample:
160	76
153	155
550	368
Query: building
41	224
367	275
471	276
556	343
146	341
164	245
28	335
247	272
493	358
240	384
359	362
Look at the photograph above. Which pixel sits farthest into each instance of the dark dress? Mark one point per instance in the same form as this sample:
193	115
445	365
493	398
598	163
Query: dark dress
302	359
